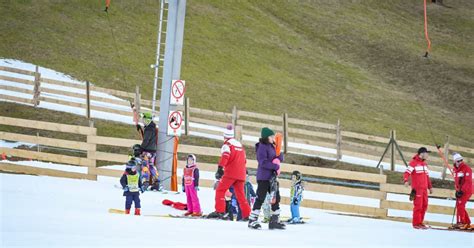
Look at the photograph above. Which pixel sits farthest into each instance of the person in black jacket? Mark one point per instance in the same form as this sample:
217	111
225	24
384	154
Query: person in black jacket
131	185
149	143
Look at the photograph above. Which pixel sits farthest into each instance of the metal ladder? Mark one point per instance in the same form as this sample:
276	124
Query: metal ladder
160	53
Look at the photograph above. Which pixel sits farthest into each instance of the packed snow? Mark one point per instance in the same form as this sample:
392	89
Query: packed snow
38	211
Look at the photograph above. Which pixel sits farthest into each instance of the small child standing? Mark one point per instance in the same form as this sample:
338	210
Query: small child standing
228	205
132	187
191	186
250	195
296	198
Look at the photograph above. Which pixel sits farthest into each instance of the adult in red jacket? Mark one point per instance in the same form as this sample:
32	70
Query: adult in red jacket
232	171
420	184
463	184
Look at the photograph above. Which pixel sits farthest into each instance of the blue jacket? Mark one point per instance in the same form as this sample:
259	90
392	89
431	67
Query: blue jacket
265	155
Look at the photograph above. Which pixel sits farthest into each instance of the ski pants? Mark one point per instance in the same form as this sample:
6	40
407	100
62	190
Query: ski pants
192	199
295	210
420	205
462	215
132	197
263	189
224	184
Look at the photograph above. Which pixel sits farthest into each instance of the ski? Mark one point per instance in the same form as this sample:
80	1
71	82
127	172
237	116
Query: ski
451	229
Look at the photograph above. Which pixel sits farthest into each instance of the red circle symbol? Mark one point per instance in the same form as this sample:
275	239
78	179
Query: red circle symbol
177	89
175	120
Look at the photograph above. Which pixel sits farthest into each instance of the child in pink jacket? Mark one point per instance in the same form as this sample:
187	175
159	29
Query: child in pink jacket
191	186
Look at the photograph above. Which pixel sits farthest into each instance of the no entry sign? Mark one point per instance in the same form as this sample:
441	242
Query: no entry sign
178	87
175	121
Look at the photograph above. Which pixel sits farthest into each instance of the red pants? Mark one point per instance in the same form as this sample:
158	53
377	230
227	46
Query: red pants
223	186
420	205
462	215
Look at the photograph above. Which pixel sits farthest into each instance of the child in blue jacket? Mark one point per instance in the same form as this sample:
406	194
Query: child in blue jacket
296	198
132	186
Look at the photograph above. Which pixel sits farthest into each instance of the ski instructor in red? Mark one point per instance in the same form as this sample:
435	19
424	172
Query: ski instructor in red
231	171
420	184
463	181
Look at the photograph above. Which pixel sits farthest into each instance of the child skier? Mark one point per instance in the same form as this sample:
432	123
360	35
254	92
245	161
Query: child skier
249	195
191	186
296	198
463	185
228	204
131	185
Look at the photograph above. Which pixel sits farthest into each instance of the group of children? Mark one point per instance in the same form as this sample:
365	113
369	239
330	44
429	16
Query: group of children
141	175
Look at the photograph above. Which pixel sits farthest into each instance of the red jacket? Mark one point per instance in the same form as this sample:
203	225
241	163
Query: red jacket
418	170
463	178
233	160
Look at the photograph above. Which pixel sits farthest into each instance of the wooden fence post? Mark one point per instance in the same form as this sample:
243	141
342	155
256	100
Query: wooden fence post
446	155
383	198
38	145
137	100
186	115
392	149
338	140
235	116
238	133
36	89
285	132
88	101
91	153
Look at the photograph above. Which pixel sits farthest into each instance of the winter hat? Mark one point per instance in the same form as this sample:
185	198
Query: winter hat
457	157
193	157
131	164
147	117
229	131
267	132
423	150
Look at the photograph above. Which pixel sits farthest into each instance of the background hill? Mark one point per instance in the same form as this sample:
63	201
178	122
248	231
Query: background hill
360	61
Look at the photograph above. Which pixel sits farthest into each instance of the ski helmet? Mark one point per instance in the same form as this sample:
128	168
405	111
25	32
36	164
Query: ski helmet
193	157
131	164
137	150
147	117
297	174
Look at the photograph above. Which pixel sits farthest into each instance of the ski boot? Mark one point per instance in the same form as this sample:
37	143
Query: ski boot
253	220
275	223
188	213
216	215
196	214
137	211
127	211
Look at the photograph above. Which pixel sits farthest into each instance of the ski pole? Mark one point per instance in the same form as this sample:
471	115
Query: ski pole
455	206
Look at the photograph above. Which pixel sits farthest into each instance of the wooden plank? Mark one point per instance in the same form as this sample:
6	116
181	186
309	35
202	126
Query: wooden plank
313	133
408	206
199	150
401	189
202	130
339	207
260	116
312	123
332	189
63	83
223	115
312	142
68	144
107	172
111	157
208	122
111	141
462	149
16	70
365	137
43	156
44	172
334	173
84	106
42	125
260	125
16	99
17	80
16	89
83	96
113	92
311	152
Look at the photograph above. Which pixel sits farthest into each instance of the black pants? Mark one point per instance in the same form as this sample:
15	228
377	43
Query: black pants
262	189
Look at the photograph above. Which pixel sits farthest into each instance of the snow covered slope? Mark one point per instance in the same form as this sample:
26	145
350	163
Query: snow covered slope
53	212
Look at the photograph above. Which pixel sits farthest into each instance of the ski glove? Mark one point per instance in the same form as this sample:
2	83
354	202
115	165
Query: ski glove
295	201
459	194
219	172
412	195
126	189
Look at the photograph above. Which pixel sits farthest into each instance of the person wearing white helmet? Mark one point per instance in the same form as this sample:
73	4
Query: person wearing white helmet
463	185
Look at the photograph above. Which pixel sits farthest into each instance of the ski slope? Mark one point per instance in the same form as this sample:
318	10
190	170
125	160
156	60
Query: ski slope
39	211
49	73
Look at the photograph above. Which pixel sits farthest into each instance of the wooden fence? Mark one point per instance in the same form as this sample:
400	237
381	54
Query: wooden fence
312	133
93	155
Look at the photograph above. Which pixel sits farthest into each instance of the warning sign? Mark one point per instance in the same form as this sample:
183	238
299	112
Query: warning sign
178	87
175	121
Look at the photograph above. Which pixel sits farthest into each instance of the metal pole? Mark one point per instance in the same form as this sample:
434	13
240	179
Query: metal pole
158	51
172	70
392	151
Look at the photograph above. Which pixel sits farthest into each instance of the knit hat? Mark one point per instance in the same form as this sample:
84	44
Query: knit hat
457	157
229	131
267	132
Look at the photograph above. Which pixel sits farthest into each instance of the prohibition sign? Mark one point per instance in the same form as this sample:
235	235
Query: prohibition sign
177	89
175	120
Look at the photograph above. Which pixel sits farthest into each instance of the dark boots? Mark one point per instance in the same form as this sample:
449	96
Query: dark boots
253	220
275	222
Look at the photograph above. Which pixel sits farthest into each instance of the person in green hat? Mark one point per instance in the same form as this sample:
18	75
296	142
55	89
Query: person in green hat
268	165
